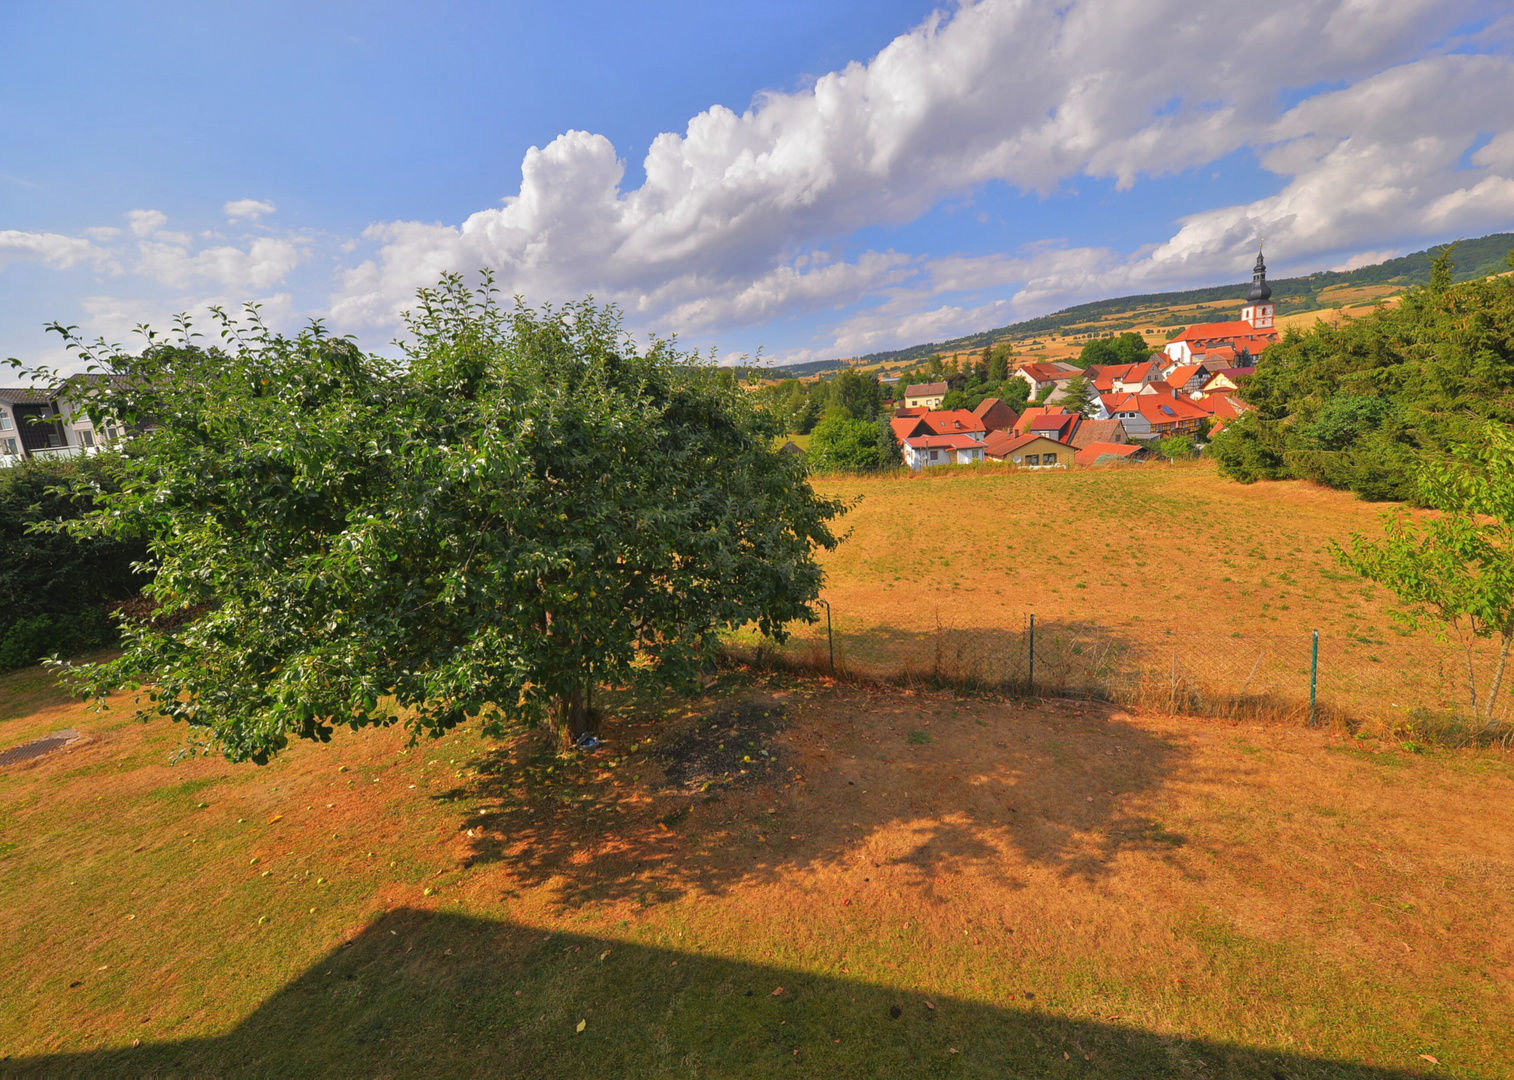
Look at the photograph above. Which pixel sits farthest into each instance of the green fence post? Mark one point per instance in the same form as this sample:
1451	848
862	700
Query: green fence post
1313	675
1030	682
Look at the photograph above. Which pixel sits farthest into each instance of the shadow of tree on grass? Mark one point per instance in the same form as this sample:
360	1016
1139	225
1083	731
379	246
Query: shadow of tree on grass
1029	787
421	993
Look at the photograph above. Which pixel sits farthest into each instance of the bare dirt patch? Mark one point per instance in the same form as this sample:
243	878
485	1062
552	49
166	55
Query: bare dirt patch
729	747
30	751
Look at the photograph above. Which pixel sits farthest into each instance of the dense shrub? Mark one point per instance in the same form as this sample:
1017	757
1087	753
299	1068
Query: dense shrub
55	590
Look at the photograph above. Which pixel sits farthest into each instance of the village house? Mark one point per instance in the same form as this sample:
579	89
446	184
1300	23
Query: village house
1232	341
1041	376
925	395
1187	378
994	415
944	422
1125	378
1089	432
1030	451
924	451
1153	413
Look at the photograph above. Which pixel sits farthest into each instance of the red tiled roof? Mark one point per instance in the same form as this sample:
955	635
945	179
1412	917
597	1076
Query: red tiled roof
1159	408
1222	406
930	389
1179	378
911	410
994	414
1217	331
952	421
1097	431
1091	453
1048	372
1035	411
906	426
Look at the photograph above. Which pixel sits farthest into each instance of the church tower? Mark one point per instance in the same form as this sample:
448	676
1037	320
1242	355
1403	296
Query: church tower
1258	309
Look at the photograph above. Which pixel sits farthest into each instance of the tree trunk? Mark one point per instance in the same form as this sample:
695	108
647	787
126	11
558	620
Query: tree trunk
1503	659
572	717
1471	679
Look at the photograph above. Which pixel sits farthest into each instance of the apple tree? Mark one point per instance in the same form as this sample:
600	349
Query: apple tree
520	507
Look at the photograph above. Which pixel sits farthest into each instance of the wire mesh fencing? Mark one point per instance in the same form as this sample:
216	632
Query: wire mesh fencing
1412	687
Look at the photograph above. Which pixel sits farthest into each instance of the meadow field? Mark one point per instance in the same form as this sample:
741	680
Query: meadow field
1170	568
920	885
802	875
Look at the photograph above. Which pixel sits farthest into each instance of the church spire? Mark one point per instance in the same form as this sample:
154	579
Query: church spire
1259	290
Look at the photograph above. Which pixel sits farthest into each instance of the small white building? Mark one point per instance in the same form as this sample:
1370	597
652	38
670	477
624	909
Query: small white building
923	451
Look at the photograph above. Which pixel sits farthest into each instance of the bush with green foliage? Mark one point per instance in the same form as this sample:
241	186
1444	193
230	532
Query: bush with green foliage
522	507
1128	348
1455	572
1362	404
841	442
56	589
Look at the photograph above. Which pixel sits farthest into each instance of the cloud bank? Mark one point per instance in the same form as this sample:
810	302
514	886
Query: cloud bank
737	217
1384	121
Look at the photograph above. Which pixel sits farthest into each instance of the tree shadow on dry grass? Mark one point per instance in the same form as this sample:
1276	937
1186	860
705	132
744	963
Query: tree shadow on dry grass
854	781
423	994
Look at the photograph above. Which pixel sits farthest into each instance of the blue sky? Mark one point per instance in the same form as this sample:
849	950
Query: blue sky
816	180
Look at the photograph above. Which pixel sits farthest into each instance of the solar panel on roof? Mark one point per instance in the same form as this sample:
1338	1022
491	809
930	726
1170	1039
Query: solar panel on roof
1168	410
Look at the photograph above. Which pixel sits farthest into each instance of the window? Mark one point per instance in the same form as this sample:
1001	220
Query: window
86	437
934	454
1048	459
5	421
1032	459
7	446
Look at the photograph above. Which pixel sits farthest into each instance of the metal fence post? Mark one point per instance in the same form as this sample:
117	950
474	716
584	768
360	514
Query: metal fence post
1313	675
1031	678
829	640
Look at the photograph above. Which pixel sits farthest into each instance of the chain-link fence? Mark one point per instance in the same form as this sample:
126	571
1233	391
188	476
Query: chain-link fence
1412	687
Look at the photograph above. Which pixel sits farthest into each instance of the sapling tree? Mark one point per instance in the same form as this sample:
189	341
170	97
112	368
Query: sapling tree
1454	571
522	507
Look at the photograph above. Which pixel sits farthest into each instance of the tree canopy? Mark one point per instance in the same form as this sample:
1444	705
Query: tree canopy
1127	348
1362	404
523	506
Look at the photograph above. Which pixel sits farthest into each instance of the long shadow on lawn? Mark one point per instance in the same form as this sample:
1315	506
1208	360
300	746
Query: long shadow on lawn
1049	788
419	993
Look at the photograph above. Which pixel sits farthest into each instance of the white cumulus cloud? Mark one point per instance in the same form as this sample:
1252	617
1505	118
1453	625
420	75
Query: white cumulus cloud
51	249
250	209
726	228
146	222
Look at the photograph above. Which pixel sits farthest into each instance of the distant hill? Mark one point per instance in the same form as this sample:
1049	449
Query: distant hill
1474	258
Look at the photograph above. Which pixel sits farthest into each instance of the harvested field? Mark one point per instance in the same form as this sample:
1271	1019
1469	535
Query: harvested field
930	885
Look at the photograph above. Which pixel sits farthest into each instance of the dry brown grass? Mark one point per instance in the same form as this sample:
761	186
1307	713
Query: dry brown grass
1157	586
1064	878
1169	546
